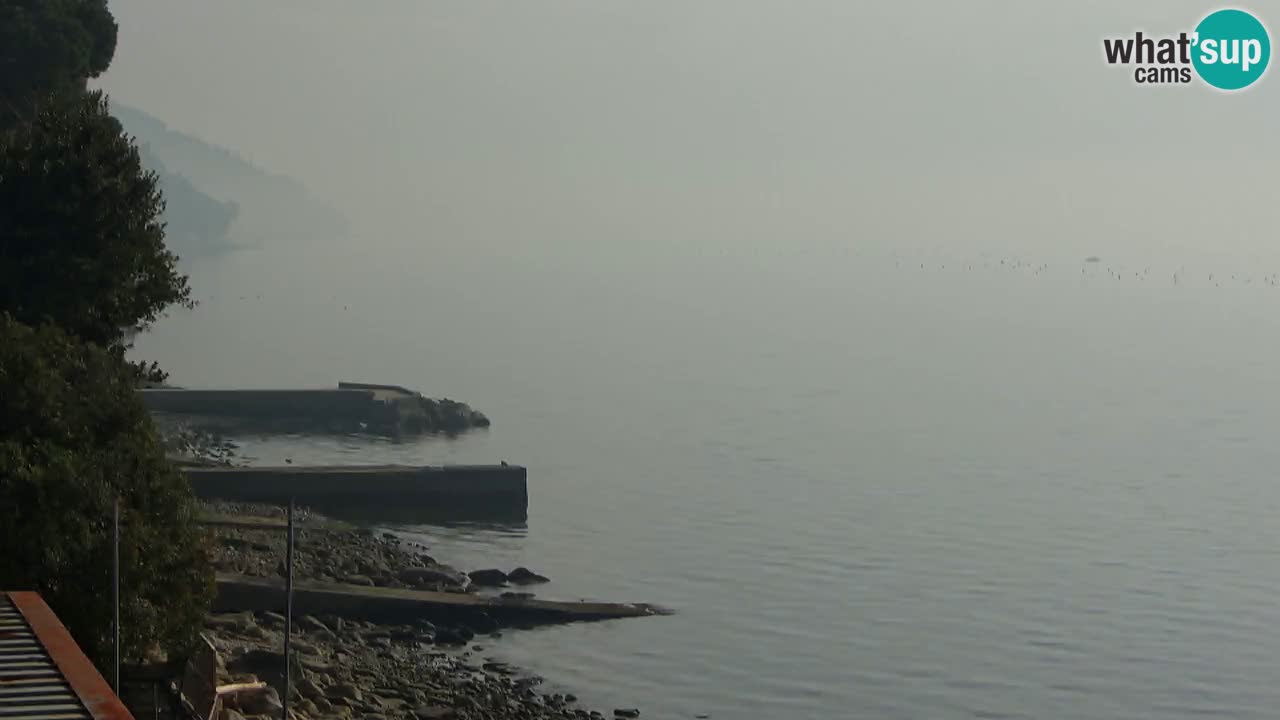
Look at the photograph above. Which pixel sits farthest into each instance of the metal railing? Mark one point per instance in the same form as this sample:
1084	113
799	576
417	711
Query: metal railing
139	677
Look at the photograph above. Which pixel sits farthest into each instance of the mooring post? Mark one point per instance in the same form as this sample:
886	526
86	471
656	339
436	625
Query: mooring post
288	605
115	594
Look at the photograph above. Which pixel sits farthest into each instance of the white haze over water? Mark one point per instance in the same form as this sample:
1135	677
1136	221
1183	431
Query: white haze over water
785	306
596	134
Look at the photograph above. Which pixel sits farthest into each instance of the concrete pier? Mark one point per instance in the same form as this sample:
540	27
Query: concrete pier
461	491
240	592
339	406
350	407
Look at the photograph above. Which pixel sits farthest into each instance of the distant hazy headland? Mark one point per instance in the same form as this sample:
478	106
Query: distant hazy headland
217	201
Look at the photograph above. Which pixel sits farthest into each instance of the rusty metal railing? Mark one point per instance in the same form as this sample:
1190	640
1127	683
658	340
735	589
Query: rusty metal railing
43	671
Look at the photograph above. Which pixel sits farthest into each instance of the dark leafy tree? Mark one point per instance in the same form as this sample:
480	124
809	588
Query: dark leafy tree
82	243
73	436
50	47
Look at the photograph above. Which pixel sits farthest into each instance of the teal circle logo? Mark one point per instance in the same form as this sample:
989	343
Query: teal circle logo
1231	49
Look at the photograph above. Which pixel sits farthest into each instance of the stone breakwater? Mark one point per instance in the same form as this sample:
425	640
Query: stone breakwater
348	668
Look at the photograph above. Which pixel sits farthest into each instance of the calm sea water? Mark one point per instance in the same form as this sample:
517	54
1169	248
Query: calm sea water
869	489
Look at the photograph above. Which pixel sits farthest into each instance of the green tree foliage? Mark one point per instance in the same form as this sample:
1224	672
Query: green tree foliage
73	436
82	243
50	47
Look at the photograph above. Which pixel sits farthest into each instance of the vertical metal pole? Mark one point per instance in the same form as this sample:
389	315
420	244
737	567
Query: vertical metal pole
288	606
115	594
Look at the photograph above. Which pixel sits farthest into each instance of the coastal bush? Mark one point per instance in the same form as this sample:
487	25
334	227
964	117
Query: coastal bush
82	243
74	436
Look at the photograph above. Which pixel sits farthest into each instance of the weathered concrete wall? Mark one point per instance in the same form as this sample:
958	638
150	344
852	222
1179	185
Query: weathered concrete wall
352	407
238	592
468	490
399	389
266	403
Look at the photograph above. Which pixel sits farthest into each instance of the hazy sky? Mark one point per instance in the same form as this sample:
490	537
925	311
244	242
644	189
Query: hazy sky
604	223
600	130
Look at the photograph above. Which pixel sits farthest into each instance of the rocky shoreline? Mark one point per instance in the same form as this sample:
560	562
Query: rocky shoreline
351	668
330	551
182	441
355	669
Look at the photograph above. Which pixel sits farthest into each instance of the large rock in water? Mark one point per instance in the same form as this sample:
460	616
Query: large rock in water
488	578
525	576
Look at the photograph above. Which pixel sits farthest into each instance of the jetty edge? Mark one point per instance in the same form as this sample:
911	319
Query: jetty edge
238	593
350	407
455	492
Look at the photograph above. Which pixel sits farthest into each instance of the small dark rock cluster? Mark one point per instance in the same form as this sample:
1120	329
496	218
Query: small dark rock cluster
496	578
